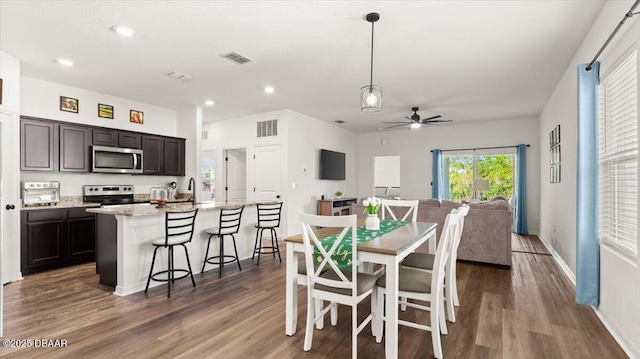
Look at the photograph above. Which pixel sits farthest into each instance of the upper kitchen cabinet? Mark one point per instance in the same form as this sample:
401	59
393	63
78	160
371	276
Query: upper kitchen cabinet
174	156
129	140
113	138
105	137
74	148
152	156
48	145
37	145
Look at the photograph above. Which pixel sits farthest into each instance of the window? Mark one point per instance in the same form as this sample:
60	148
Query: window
495	172
618	156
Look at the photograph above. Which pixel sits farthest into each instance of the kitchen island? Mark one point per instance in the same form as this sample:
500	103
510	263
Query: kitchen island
124	235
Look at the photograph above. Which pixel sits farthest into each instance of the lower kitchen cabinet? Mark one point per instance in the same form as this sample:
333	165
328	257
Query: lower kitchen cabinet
55	238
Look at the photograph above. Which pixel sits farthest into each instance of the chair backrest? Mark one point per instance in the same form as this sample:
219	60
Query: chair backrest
179	224
408	209
462	211
269	214
318	255
443	251
230	219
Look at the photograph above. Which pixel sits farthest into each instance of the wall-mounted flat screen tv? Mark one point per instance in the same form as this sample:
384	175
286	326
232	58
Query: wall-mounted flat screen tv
332	165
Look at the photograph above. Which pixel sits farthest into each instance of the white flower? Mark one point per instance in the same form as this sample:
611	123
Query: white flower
365	203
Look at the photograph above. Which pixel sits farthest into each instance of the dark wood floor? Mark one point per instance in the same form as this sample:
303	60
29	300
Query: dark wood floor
525	312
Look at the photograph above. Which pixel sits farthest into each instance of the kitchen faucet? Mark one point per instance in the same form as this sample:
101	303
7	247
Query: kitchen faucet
192	189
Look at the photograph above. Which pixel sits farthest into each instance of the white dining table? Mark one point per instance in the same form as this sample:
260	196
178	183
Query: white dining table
389	250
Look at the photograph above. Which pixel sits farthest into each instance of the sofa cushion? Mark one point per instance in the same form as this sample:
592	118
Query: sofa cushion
430	202
450	204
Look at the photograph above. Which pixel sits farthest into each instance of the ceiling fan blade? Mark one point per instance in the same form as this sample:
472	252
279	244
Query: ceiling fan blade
409	118
424	120
398	122
404	124
440	121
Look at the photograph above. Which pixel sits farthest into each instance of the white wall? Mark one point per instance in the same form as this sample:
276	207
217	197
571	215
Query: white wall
40	98
414	148
306	137
301	138
189	124
619	277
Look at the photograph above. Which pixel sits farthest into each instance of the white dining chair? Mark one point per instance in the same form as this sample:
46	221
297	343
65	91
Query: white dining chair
393	206
423	286
424	261
335	285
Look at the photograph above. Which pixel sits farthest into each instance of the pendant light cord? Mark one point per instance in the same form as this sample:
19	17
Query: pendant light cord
371	76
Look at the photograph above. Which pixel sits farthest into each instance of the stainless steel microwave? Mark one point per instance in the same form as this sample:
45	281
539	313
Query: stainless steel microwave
116	160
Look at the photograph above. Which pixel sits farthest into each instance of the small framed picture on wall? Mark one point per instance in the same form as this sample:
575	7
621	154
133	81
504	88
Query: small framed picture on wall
69	104
105	111
136	116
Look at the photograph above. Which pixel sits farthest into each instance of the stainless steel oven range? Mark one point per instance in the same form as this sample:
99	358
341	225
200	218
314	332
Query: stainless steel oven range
108	195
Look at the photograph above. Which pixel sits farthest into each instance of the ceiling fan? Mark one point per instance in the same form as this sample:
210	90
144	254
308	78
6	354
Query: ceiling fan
415	121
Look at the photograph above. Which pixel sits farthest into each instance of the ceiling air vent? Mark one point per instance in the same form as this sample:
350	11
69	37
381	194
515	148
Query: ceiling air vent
267	128
235	57
179	76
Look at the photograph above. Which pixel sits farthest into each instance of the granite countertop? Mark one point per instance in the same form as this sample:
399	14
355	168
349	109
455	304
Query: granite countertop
138	210
76	202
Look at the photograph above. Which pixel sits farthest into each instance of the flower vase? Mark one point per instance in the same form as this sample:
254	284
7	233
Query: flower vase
372	223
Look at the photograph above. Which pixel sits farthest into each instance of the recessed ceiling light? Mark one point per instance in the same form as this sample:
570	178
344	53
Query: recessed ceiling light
209	102
269	89
65	62
123	30
414	125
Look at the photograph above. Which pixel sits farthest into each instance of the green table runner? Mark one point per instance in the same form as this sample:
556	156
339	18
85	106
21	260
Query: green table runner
343	254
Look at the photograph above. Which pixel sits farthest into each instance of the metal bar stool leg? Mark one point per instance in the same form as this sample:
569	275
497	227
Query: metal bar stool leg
255	246
206	254
277	247
153	261
261	231
236	250
169	273
221	257
189	265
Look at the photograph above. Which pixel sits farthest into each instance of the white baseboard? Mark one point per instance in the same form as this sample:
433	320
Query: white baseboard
627	346
563	265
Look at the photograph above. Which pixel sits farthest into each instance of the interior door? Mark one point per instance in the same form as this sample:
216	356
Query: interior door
268	173
236	174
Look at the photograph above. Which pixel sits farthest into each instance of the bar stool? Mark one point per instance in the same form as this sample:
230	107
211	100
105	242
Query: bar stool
229	225
178	231
268	218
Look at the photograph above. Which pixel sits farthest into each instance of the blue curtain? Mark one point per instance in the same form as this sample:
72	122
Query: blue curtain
437	181
521	191
587	246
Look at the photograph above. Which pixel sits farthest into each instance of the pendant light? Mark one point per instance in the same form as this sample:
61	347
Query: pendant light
371	95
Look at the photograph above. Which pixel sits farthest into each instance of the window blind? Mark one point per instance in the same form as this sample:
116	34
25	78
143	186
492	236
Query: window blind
618	157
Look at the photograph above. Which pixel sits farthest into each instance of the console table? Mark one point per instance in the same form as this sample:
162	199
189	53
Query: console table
336	207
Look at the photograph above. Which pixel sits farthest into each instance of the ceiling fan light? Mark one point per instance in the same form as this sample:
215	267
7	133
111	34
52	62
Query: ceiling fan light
413	126
371	98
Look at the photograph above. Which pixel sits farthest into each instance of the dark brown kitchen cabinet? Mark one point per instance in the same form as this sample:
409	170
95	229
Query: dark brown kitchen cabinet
48	145
75	142
105	137
152	155
81	235
55	238
129	140
43	237
174	156
37	145
114	138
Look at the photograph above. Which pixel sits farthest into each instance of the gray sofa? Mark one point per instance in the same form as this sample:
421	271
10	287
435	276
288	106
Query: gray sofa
486	236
